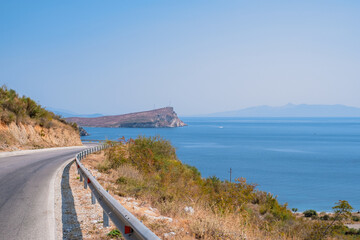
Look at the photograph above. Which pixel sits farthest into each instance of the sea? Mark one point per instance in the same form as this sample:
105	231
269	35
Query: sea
308	163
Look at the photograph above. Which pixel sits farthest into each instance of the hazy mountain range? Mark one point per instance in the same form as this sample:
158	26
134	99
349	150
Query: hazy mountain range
65	113
292	110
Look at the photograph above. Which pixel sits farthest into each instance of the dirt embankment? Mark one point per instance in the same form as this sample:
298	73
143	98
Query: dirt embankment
33	136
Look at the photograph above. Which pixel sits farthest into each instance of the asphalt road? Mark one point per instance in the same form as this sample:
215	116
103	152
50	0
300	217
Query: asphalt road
26	193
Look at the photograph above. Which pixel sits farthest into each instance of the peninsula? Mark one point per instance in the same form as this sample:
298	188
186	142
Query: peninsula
158	118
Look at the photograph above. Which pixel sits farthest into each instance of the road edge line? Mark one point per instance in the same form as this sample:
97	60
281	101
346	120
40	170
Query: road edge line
55	203
31	151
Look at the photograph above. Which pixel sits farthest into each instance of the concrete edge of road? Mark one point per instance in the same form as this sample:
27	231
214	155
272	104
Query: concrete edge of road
23	152
55	203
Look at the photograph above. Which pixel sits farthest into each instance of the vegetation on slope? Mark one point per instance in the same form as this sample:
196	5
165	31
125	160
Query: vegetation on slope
14	108
24	124
147	168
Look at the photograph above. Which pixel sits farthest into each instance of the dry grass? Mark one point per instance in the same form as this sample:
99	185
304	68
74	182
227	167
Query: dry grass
202	224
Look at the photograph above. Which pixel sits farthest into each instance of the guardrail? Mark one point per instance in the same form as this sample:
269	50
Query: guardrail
128	224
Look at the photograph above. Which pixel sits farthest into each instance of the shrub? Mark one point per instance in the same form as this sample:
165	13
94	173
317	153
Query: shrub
7	117
325	217
121	180
115	233
310	213
355	218
353	231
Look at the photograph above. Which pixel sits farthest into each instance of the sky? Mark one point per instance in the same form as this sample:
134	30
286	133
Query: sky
121	56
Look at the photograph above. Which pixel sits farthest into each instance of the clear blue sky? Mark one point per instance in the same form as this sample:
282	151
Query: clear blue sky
123	56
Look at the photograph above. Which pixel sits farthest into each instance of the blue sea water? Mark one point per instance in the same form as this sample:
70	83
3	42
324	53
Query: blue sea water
310	163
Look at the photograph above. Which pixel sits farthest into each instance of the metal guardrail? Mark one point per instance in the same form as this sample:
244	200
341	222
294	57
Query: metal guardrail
128	224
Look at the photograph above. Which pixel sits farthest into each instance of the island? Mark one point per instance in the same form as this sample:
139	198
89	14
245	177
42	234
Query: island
157	118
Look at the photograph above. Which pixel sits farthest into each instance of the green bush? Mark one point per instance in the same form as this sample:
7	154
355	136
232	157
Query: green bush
121	180
355	218
352	231
310	213
115	233
325	217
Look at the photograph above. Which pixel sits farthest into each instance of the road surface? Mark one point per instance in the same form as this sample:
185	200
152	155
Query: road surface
26	193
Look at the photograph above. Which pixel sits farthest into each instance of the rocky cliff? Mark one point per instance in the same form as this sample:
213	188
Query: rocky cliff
32	136
83	132
158	118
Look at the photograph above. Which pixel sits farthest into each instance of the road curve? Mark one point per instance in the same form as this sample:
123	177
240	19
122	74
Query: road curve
25	193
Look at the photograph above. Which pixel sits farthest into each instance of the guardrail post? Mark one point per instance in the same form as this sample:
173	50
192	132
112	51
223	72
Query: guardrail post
105	219
93	199
85	183
81	177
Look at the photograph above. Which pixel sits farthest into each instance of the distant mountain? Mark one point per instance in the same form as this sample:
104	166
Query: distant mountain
66	114
292	110
158	118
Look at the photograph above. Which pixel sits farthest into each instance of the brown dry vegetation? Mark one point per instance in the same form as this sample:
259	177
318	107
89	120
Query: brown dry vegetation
148	170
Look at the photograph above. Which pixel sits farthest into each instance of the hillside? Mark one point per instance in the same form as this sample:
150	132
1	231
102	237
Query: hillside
292	110
146	176
24	124
158	118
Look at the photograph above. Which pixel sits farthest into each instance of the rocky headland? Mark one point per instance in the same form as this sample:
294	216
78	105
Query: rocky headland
158	118
83	132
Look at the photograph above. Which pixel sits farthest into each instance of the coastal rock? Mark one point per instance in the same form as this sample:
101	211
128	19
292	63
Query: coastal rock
83	132
158	118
